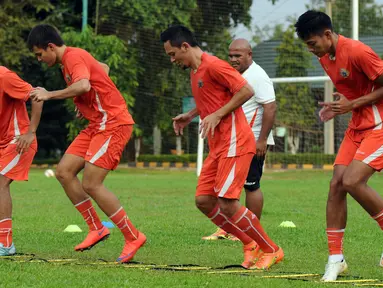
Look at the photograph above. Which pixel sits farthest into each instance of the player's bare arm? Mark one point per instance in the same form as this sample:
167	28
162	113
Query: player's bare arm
211	121
182	120
24	141
78	88
342	105
105	67
268	119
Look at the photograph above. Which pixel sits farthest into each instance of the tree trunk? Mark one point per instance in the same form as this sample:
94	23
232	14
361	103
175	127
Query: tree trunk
157	141
293	139
178	145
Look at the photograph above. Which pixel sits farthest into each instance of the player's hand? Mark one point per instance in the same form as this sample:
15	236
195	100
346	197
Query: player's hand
326	114
180	122
40	94
340	106
78	113
208	125
24	141
261	148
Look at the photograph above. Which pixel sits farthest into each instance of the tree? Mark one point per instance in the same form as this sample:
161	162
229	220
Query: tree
139	24
296	105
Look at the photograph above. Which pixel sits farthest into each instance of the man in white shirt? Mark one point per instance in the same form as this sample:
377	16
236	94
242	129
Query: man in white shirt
260	112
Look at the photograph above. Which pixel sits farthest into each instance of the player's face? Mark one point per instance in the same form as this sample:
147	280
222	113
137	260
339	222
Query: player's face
47	56
240	59
319	45
178	56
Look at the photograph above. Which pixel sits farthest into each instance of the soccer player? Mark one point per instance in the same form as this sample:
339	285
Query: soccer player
356	71
18	146
219	91
98	148
260	114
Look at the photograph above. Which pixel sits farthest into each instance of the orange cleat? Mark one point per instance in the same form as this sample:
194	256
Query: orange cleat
93	238
131	248
252	253
266	260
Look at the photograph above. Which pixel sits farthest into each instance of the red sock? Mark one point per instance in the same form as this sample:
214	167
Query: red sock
6	232
89	214
122	221
223	222
335	240
379	218
248	222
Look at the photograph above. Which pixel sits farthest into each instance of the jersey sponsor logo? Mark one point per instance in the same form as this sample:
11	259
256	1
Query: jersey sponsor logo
200	83
344	73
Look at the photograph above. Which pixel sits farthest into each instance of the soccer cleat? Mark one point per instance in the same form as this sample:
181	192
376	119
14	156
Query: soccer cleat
131	248
266	260
93	237
217	235
333	269
231	237
251	252
7	251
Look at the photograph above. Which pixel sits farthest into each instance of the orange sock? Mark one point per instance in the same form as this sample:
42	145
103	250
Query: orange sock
89	214
122	221
379	218
223	222
6	232
335	241
248	222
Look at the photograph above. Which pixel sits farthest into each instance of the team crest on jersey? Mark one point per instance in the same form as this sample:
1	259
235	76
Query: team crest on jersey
344	73
200	83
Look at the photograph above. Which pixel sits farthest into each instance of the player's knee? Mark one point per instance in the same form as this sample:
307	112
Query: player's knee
350	183
62	173
204	204
228	206
4	183
89	186
336	184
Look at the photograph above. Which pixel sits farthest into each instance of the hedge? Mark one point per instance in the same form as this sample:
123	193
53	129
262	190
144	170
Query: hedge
272	158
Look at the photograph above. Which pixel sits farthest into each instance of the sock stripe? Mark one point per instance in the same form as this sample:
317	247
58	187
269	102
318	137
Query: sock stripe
260	235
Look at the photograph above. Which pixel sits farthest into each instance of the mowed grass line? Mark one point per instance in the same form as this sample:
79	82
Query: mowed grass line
161	204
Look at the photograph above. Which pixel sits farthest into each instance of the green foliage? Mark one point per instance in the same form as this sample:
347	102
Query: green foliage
370	16
17	18
272	158
296	105
139	24
112	51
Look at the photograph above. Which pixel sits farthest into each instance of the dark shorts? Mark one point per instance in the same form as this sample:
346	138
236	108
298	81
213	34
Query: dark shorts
255	173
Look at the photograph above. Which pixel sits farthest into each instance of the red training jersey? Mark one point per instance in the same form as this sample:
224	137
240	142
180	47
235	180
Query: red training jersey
213	85
14	119
103	105
353	71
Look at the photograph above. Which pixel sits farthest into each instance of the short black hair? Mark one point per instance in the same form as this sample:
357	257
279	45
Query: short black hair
177	35
312	23
43	34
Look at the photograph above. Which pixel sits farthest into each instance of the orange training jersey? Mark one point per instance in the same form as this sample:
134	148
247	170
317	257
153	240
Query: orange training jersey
103	105
353	72
213	85
14	119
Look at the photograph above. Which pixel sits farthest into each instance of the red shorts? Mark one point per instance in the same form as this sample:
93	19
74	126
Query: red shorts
101	148
365	146
16	166
224	177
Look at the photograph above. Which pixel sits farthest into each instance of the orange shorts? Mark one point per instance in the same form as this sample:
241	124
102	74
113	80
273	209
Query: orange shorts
101	148
365	146
16	166
224	177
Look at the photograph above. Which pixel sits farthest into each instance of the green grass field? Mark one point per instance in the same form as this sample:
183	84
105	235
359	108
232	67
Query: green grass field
161	204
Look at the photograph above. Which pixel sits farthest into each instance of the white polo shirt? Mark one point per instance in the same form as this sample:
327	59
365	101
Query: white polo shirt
263	94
